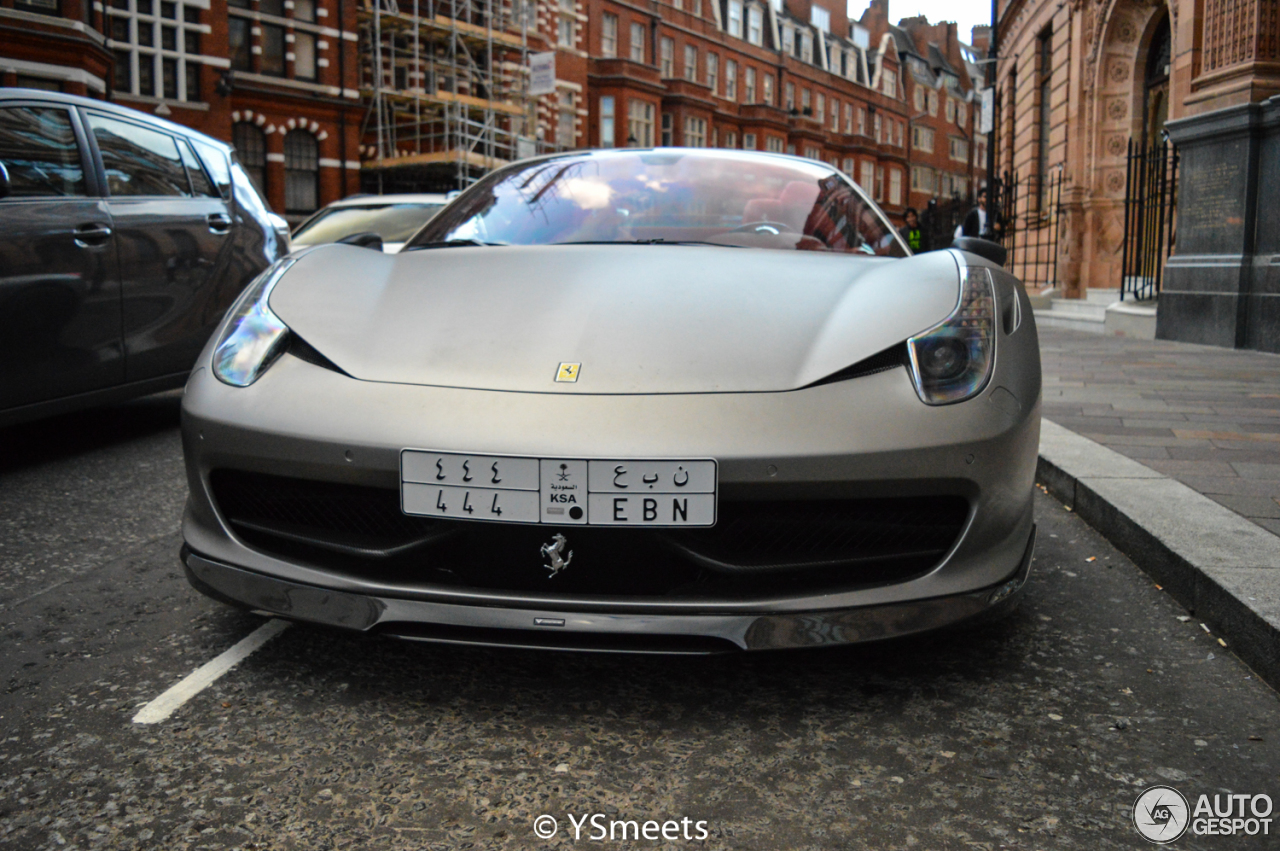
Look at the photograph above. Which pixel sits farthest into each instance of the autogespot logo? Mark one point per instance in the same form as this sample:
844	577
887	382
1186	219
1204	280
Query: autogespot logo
1160	814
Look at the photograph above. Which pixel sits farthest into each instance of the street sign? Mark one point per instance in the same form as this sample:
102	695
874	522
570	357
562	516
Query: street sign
542	73
987	118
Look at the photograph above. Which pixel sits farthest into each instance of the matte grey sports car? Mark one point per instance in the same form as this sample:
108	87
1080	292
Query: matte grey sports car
655	400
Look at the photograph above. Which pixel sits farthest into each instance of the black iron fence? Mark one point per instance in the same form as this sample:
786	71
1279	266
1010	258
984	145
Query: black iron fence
1151	181
1028	211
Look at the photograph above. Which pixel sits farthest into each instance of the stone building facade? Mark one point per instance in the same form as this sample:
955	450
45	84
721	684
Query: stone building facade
1078	80
275	77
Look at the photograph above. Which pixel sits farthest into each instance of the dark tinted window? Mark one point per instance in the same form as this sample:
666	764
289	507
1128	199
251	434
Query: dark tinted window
273	50
215	162
138	161
38	148
200	182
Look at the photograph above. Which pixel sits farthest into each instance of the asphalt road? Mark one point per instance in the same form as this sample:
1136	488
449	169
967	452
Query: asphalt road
1037	733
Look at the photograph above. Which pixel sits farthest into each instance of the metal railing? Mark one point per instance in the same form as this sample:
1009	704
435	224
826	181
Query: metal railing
1028	211
1150	201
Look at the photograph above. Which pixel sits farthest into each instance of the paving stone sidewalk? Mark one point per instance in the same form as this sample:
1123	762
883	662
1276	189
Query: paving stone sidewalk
1205	416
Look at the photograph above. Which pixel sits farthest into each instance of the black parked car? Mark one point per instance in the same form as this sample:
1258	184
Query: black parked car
123	239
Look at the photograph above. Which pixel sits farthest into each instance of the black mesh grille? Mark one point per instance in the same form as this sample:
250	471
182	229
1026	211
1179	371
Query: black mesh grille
326	513
759	536
756	548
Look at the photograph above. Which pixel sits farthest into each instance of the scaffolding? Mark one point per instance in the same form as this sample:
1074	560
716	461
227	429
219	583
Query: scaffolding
446	87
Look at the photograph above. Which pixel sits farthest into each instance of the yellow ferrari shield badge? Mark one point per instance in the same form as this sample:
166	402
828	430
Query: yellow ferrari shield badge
568	372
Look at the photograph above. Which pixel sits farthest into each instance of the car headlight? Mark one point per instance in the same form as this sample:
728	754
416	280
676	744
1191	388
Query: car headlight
951	362
254	336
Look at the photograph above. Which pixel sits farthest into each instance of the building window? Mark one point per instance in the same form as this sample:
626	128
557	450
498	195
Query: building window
565	137
606	122
251	150
806	102
690	63
933	103
922	139
640	123
848	118
713	73
821	113
304	10
768	89
890	82
958	149
788	39
304	52
774	144
820	18
637	42
735	18
877	124
730	139
835	116
608	35
918	97
564	32
806	47
696	8
867	175
750	84
731	79
749	141
272	50
301	172
667	123
238	44
895	186
755	25
667	47
922	179
951	111
1044	94
847	166
789	102
157	55
813	153
879	183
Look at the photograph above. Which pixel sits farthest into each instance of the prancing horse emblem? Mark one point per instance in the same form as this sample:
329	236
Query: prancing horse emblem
555	552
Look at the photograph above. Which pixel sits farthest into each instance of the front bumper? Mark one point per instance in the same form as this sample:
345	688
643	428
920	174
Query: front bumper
492	626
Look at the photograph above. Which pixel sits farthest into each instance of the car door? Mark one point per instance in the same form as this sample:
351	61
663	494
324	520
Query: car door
59	289
173	234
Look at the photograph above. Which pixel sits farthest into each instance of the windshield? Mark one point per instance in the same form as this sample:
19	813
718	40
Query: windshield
392	222
668	195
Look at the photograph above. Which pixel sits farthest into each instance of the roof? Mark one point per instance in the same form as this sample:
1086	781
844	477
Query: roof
110	108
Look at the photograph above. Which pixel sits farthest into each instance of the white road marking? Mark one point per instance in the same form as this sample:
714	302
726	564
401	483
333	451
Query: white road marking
204	676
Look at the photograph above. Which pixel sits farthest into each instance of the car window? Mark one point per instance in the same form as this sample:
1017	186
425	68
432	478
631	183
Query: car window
38	148
718	198
138	161
200	181
392	222
216	162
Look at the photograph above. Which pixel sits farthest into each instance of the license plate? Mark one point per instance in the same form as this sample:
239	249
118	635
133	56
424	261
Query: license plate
563	491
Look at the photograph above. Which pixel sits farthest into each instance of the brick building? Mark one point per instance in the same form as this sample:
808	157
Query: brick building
275	77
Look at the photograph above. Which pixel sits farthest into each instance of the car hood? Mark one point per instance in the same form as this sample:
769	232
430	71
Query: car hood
638	318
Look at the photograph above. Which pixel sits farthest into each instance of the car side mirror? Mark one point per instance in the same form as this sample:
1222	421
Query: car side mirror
984	248
368	239
5	188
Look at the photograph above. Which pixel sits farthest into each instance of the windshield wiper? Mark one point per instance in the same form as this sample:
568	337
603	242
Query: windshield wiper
454	243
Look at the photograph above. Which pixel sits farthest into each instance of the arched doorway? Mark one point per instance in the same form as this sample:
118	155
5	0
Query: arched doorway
1155	87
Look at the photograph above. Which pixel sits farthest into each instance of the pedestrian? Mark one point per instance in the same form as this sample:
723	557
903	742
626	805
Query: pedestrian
917	240
978	222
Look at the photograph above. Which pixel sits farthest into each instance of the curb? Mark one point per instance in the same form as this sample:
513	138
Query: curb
1224	569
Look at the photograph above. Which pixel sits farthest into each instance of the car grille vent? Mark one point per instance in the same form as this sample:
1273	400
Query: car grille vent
762	537
353	520
891	358
757	549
